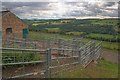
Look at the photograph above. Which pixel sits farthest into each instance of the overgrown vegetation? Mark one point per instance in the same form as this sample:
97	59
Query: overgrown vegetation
13	56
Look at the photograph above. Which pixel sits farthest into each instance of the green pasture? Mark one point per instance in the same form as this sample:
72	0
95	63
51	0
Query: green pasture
74	33
53	29
103	69
105	22
104	36
41	35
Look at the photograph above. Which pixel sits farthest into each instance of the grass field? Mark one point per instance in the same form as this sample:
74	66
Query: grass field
103	69
74	33
106	22
104	36
39	35
107	45
53	30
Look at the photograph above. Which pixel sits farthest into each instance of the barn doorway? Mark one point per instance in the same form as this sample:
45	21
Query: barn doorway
25	33
9	33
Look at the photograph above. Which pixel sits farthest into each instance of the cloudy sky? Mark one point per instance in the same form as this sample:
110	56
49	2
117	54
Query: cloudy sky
62	8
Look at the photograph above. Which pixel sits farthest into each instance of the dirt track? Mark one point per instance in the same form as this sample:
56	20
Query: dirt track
110	55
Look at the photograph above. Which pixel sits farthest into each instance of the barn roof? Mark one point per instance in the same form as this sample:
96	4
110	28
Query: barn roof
4	13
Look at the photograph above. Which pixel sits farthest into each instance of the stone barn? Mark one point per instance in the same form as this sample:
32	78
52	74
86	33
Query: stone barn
13	26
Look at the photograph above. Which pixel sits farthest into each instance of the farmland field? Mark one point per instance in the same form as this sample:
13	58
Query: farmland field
76	25
74	33
53	30
106	22
105	36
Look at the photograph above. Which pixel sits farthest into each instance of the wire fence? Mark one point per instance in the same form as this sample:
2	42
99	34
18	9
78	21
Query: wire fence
46	58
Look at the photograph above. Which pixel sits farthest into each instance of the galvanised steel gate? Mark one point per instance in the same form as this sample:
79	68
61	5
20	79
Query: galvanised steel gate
67	59
60	56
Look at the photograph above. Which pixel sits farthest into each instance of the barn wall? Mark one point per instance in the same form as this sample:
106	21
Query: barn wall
11	21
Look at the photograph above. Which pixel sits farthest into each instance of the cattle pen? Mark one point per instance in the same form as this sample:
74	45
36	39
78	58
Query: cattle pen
46	58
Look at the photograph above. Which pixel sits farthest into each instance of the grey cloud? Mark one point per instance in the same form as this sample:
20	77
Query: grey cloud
94	8
89	9
19	4
76	13
110	13
33	5
108	4
22	8
100	9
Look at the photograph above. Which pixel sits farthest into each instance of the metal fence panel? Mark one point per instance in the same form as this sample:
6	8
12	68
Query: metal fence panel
46	58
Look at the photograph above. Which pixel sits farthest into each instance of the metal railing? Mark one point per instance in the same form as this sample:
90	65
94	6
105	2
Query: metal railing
14	58
48	62
71	57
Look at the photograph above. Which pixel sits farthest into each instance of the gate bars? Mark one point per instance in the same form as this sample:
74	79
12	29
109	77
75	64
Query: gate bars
58	56
87	53
23	58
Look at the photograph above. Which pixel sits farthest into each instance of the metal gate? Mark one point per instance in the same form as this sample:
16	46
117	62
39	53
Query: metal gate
67	59
49	61
24	63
